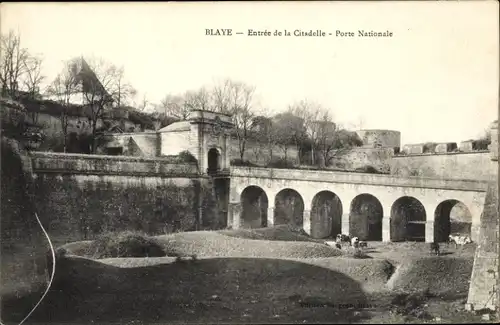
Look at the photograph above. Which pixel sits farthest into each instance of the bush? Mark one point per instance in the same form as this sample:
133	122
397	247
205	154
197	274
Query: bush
429	147
412	304
481	144
52	143
245	163
280	163
368	170
357	253
145	120
187	157
125	244
414	172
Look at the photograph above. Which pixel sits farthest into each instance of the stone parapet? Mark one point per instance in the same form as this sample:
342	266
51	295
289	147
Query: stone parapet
359	178
44	162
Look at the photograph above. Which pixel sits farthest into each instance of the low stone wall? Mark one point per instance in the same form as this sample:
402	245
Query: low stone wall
45	162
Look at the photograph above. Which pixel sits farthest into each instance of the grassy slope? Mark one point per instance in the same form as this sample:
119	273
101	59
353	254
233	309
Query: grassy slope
441	275
281	232
214	244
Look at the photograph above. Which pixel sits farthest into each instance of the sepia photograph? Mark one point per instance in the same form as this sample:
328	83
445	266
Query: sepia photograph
259	162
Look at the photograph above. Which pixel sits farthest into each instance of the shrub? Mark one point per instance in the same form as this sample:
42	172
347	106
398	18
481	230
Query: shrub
187	157
125	244
481	144
280	163
414	172
368	170
357	253
412	304
145	120
429	147
245	163
53	143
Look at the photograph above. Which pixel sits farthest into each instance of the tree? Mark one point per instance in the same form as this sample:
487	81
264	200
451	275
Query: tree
264	134
12	63
99	86
13	117
333	141
180	106
62	90
124	90
198	99
143	104
310	113
32	76
290	129
237	99
175	106
222	96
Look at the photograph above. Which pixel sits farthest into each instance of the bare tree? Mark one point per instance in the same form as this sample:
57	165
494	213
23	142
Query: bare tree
62	90
12	65
180	106
124	90
326	138
198	99
237	99
175	106
222	96
144	103
290	129
361	123
32	76
265	134
98	85
310	112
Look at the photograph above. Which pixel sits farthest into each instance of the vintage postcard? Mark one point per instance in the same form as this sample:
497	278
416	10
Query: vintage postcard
249	162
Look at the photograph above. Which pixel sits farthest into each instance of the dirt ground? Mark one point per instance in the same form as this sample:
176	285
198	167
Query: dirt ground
245	290
401	252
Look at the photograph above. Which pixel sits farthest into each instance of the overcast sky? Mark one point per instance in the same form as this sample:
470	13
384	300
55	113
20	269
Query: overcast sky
436	79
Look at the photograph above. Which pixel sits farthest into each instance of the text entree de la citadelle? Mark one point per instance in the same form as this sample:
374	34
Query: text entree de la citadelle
299	33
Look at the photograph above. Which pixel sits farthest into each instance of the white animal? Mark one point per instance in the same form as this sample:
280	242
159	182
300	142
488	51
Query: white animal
331	243
342	238
354	241
459	240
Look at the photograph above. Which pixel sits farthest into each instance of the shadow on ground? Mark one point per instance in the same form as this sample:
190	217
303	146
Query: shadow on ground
242	290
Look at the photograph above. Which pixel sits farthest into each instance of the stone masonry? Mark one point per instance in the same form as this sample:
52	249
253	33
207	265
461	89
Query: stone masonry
483	290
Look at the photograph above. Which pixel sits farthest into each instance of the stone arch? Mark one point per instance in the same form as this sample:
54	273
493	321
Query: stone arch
408	220
254	203
289	208
365	217
451	217
214	159
326	215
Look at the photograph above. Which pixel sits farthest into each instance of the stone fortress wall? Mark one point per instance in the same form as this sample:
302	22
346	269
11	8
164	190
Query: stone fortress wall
380	138
380	150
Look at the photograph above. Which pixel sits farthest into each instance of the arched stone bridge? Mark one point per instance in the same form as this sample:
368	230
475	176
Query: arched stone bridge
370	206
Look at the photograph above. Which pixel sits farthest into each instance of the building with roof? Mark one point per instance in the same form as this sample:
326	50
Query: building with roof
205	135
88	86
